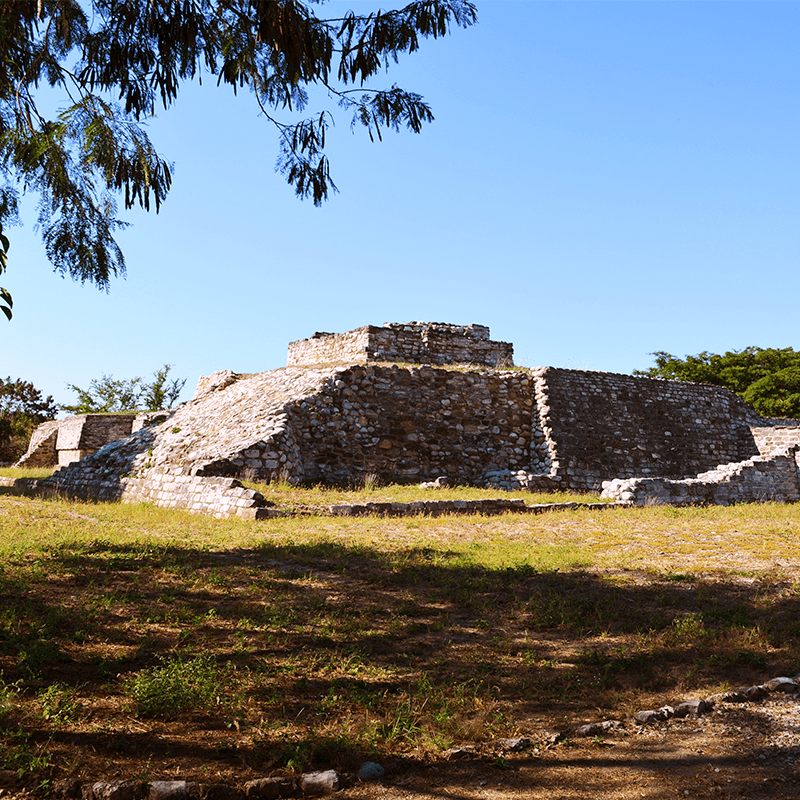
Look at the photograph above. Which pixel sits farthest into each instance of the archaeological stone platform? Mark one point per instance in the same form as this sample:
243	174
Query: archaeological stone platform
421	401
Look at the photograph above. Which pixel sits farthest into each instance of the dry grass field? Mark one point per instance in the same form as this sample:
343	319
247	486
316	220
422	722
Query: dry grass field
142	643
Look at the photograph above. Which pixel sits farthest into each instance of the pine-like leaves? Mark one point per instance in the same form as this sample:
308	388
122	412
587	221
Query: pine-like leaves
139	53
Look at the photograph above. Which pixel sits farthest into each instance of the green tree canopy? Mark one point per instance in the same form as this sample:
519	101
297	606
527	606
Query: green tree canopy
768	379
108	395
115	61
22	408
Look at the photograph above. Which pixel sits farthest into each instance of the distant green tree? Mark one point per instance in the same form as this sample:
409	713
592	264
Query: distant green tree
108	395
22	408
161	392
768	379
776	395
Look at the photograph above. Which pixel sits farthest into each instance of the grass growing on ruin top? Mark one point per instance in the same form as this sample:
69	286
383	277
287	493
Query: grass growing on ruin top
142	643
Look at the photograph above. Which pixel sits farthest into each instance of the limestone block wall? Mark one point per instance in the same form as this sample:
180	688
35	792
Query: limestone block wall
218	497
778	437
330	348
599	426
414	342
773	477
41	450
62	441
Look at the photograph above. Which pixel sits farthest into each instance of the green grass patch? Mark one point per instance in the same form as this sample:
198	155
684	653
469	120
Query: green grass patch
285	495
26	472
130	632
178	685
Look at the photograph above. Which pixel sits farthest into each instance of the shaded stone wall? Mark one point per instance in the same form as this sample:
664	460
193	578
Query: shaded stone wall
600	425
415	423
414	342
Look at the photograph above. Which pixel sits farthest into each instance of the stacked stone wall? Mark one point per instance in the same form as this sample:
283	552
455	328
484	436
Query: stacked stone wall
415	423
756	480
219	497
769	439
599	426
416	343
62	441
330	348
41	450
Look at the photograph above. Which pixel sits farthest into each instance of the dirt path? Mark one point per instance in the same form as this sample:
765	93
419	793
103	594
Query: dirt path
748	751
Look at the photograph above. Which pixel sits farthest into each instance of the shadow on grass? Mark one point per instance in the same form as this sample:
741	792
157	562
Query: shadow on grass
414	642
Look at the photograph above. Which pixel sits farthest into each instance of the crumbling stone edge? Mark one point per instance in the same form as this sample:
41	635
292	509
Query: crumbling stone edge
682	710
430	508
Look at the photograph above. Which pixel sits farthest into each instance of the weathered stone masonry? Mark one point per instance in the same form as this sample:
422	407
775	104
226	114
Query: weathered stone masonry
357	415
599	425
64	441
415	342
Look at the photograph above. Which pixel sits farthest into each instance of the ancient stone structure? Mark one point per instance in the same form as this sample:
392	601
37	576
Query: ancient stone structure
415	342
60	442
339	413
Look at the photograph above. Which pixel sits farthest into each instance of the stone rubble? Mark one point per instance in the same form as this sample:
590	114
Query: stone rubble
322	783
773	477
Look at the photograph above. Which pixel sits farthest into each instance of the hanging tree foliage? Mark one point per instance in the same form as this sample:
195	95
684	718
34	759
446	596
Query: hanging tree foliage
115	61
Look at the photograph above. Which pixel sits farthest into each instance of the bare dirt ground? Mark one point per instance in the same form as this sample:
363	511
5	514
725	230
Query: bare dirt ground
736	752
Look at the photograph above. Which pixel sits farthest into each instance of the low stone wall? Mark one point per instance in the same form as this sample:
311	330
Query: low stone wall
218	497
414	342
436	508
62	441
756	480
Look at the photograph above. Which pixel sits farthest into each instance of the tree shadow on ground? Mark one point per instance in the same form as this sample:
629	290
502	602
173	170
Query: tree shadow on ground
427	650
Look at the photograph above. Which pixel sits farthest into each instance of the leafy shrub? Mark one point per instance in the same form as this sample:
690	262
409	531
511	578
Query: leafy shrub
8	696
178	686
22	408
59	704
768	379
776	395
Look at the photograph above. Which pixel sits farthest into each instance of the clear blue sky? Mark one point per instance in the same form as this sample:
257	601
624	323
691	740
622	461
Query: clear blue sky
602	180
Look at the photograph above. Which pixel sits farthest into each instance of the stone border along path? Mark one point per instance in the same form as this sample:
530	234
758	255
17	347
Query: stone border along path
430	508
329	781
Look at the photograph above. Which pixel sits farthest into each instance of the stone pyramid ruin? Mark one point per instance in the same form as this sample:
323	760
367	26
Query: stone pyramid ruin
419	401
